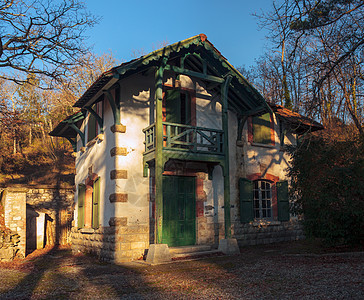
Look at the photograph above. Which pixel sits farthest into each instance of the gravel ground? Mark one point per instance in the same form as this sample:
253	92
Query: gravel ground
280	271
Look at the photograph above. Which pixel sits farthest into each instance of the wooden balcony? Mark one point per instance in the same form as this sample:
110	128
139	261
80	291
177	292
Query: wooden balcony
186	142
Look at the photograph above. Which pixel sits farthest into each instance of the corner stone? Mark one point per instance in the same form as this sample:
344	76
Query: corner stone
158	253
229	246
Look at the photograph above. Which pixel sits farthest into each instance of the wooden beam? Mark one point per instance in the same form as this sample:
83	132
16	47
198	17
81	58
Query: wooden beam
225	127
79	132
159	163
194	74
114	106
97	117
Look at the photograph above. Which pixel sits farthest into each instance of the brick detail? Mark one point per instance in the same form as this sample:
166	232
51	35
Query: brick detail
118	197
118	128
119	151
118	221
119	174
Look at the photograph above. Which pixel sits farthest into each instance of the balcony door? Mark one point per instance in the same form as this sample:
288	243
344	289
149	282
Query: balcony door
179	211
178	107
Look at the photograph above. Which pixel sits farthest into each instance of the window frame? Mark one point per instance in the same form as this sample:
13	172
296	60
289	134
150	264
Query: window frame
260	189
252	123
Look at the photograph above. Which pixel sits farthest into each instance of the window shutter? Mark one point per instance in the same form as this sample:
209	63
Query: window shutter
261	129
282	200
246	200
81	205
96	203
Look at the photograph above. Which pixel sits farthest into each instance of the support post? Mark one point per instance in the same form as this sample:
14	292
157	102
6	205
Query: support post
97	117
79	132
159	164
225	127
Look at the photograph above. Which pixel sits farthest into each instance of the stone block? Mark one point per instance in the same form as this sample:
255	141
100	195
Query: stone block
229	246
118	197
137	245
158	253
119	174
118	221
118	128
122	151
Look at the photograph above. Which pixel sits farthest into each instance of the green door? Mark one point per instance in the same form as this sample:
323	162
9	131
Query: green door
179	216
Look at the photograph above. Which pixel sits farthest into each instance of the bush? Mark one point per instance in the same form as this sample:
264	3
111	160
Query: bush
328	181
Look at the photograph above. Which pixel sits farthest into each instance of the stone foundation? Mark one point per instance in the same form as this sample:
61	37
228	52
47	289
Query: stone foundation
256	233
114	243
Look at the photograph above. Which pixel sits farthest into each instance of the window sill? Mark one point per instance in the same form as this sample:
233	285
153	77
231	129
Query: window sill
270	146
259	223
87	230
99	138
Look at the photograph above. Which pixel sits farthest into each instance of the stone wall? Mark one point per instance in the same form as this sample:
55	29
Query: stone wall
22	206
119	243
57	204
257	233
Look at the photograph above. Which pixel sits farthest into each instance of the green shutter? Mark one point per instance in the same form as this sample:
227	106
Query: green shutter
173	106
261	129
246	200
96	203
81	205
282	200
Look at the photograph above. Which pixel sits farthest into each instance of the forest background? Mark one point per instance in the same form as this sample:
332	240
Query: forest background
314	66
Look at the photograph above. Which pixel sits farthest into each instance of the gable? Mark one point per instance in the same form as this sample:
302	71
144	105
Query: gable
195	57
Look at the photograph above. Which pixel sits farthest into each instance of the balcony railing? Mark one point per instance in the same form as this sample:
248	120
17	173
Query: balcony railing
186	138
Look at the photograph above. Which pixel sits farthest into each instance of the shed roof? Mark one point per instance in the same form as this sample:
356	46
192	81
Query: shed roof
298	123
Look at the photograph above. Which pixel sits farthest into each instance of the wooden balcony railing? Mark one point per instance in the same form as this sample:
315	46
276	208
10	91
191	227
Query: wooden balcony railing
186	138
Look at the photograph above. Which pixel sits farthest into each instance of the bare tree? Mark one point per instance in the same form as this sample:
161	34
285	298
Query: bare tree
41	37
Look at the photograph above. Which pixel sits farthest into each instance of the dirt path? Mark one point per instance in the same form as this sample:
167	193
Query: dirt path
285	271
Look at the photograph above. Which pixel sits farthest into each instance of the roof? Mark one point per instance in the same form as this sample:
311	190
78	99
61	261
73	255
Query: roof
299	123
64	127
243	97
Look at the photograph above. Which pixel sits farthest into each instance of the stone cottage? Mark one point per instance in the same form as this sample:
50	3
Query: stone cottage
176	148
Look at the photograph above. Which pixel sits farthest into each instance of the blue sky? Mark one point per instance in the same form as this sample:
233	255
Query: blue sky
135	25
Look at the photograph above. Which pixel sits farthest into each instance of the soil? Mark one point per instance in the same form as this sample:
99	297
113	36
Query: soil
293	270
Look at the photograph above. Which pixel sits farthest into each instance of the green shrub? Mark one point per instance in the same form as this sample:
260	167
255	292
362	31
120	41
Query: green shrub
328	183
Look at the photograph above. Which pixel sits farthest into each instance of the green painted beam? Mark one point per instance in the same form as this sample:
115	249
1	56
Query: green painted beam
225	126
194	74
97	117
114	106
159	163
73	143
79	132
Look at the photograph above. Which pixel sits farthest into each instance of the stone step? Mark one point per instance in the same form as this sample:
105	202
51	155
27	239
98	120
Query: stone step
196	255
189	249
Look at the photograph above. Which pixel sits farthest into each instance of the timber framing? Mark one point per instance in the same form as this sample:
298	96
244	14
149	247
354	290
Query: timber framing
70	128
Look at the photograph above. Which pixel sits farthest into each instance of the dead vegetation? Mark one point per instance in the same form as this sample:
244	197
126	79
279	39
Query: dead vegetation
282	271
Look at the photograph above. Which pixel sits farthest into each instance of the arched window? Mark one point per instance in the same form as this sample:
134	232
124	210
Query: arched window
262	199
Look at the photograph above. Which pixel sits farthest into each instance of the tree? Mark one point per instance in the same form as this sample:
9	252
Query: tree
323	47
41	37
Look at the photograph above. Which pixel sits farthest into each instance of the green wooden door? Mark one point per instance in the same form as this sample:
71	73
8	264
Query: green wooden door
179	215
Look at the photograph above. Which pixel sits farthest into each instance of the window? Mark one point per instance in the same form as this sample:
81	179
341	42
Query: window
258	197
92	125
262	130
89	204
262	200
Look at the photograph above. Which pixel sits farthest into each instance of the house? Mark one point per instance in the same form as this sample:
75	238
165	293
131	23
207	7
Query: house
176	148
